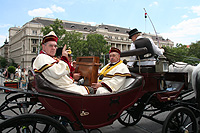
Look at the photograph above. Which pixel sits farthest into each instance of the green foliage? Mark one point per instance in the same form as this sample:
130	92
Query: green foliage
93	45
3	62
96	45
58	28
11	69
182	53
74	40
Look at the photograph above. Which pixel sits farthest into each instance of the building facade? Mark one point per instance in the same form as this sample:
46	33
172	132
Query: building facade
24	42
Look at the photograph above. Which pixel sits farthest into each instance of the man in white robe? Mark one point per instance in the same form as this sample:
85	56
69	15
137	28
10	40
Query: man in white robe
113	75
57	71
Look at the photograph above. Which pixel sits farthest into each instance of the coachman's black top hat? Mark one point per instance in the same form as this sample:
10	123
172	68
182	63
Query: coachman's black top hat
133	32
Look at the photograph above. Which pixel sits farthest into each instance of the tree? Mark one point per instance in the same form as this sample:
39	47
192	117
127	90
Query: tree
194	49
58	28
3	62
74	40
181	53
96	45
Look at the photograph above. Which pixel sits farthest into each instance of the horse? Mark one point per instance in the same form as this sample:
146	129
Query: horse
182	67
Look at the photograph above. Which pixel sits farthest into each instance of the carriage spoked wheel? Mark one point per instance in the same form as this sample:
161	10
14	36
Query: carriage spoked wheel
131	116
18	104
32	123
180	120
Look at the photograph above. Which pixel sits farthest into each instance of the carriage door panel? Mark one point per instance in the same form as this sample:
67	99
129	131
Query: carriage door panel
99	109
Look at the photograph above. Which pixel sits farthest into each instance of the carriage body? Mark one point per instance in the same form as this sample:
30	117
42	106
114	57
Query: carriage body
92	111
95	111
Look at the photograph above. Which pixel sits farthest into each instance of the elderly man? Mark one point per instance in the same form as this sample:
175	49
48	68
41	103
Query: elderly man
140	42
54	70
113	75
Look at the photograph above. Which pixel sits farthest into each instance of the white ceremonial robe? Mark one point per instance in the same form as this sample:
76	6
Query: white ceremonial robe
114	79
58	73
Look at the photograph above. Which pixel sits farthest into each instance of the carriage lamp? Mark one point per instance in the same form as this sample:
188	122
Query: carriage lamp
161	64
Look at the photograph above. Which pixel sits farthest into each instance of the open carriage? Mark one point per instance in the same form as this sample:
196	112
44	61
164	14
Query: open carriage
47	108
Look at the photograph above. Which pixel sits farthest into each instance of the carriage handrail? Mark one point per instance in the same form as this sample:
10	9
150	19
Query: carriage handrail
141	60
134	52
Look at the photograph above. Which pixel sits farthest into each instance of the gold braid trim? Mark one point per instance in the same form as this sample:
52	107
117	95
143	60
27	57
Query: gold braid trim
46	66
88	91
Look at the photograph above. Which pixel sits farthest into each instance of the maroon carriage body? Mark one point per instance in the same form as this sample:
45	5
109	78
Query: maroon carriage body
90	111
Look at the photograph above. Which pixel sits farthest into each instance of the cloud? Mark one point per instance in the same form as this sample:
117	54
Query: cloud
185	32
43	12
184	16
196	9
57	8
154	4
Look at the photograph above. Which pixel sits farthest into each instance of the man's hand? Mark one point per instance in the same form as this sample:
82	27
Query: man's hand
74	64
76	76
64	52
96	85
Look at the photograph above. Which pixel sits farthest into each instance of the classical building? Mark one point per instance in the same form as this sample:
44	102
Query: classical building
24	42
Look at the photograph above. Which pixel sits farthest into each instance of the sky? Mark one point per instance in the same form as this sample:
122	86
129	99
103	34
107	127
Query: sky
177	20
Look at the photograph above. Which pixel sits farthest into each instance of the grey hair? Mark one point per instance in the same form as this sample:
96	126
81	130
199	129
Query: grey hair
45	43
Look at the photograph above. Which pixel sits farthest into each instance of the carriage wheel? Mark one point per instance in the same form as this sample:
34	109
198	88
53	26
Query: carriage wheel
32	123
180	120
131	116
18	104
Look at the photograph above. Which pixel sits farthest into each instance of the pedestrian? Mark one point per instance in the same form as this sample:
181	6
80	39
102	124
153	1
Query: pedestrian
24	76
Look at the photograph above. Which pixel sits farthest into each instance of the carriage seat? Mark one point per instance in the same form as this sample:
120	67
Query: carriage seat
44	86
132	82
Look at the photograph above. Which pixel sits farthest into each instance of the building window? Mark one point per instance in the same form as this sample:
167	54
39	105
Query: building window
34	32
34	50
34	41
84	36
85	28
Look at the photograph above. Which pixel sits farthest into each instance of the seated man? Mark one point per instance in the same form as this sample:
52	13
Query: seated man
54	70
113	75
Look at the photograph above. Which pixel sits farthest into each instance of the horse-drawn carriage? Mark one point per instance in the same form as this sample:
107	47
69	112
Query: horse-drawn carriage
45	107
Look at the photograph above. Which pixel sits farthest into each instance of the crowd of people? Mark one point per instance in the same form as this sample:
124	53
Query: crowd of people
20	74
